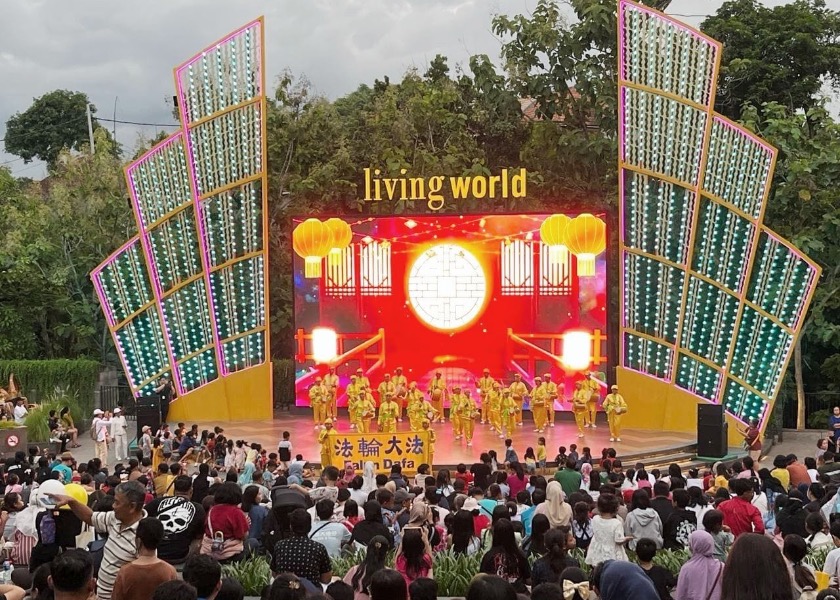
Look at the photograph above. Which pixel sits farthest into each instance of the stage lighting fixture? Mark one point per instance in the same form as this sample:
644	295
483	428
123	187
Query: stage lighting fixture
324	344
577	350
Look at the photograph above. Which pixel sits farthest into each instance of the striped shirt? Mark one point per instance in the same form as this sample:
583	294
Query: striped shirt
121	548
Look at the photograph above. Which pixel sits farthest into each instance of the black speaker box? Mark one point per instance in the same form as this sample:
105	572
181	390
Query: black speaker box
713	440
710	414
148	413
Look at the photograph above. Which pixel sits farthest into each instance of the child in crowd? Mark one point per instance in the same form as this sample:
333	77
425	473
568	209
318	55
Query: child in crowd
510	453
561	457
284	451
713	523
573	453
582	525
530	460
663	580
608	537
541	455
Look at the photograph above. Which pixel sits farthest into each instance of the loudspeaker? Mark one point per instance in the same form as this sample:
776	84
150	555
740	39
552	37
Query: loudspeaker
148	413
710	414
713	441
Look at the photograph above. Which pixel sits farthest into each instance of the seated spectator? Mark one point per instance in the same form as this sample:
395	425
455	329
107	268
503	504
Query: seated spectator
71	575
231	590
549	567
372	525
299	555
175	590
359	576
332	534
414	555
287	586
251	506
490	587
387	584
204	573
740	576
338	590
422	588
621	580
505	558
183	521
227	527
139	579
702	573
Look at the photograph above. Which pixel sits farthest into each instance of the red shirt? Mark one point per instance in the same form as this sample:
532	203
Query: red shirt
798	475
741	516
467	477
480	523
228	519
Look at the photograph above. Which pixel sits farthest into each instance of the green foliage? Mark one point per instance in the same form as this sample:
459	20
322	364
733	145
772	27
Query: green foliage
77	378
252	573
284	380
818	419
348	560
37	428
774	54
816	558
55	121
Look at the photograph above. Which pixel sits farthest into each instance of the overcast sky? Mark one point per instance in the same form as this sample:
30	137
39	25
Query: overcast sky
126	50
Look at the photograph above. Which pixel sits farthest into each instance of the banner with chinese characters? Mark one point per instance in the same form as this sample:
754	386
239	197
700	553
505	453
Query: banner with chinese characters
410	449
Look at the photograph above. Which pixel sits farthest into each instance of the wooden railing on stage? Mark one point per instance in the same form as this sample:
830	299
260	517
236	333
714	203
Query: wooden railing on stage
533	353
369	361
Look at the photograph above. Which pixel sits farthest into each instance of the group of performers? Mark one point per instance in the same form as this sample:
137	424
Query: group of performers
498	405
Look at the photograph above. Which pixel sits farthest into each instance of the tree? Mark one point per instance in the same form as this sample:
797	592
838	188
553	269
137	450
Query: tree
780	54
55	121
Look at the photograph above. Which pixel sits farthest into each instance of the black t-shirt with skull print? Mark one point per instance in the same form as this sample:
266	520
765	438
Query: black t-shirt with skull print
183	522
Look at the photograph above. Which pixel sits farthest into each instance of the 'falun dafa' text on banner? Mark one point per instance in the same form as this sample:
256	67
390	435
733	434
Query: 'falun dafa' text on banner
409	449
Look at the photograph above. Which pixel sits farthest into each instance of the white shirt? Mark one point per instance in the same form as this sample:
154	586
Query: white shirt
20	413
100	425
331	534
831	563
118	426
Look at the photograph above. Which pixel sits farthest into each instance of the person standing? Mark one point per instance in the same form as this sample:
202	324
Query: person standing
752	436
386	389
419	408
100	426
388	411
593	386
518	391
331	385
495	401
432	439
164	392
485	387
550	397
615	406
455	401
139	579
467	412
119	433
538	405
354	392
363	411
401	386
318	402
580	400
20	411
508	411
325	439
437	393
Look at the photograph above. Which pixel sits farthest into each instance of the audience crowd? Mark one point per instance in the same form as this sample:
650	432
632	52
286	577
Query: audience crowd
163	523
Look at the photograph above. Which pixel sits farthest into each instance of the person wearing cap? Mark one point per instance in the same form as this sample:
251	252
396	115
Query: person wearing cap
65	467
485	386
318	401
418	407
494	400
364	410
386	388
510	408
100	426
326	439
427	427
401	385
361	378
354	392
518	391
615	406
593	386
388	411
539	397
438	394
467	413
580	399
331	385
551	396
119	433
455	400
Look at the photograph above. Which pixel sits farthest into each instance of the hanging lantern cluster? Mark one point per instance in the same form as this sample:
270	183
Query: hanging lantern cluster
585	236
313	240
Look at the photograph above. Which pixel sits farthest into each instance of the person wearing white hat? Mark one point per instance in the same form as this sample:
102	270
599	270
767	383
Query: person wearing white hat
99	431
615	405
119	434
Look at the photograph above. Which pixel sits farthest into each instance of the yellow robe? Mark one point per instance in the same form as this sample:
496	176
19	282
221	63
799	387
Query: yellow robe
551	396
612	402
466	415
539	397
364	410
438	384
318	402
331	383
326	438
518	390
485	387
388	411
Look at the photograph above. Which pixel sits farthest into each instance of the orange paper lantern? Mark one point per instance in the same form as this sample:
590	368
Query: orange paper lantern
312	240
586	237
342	235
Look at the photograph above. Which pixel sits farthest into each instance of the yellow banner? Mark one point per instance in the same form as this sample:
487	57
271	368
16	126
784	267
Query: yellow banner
409	449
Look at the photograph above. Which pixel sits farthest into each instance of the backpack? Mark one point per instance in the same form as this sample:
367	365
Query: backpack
92	432
46	529
583	534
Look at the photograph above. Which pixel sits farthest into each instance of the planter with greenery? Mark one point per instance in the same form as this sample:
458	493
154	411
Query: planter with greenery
36	421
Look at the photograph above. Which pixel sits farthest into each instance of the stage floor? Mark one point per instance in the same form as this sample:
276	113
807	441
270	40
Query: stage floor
636	444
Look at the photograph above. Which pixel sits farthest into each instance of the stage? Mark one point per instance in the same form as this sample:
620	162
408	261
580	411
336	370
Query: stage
654	448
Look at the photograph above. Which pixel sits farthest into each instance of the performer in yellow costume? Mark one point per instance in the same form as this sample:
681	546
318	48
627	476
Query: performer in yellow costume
361	379
495	401
418	408
365	410
386	388
331	383
438	394
551	397
615	406
354	392
401	385
591	384
455	401
509	410
467	413
539	396
485	386
518	391
388	411
318	401
427	426
326	439
580	399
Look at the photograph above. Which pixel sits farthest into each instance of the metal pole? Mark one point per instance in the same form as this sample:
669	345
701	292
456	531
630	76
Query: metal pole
90	129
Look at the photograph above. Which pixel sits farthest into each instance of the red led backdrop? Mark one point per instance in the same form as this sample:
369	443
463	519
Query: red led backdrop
449	293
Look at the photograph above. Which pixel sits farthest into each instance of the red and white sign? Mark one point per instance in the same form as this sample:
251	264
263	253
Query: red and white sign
12	441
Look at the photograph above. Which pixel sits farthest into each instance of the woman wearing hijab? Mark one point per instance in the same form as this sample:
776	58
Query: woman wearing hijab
555	507
349	475
420	517
700	578
585	476
369	477
247	476
622	580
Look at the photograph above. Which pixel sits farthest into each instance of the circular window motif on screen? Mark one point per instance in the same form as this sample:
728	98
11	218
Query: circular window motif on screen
447	287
